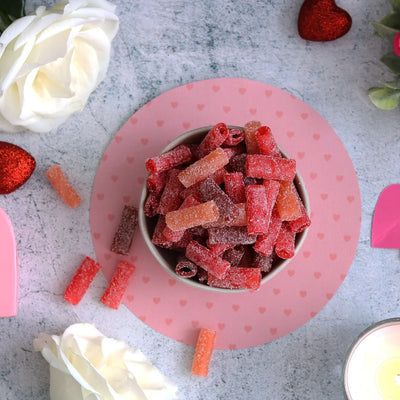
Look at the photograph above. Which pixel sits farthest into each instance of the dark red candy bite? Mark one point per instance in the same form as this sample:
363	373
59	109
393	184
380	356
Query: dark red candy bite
126	229
214	138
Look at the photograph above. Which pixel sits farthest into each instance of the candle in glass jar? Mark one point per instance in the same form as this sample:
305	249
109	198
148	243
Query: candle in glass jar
372	368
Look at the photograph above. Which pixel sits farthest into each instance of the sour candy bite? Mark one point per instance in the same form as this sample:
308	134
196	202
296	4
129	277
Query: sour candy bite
177	156
126	229
203	352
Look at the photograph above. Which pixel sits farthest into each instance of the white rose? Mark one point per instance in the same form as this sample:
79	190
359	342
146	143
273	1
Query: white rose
86	365
51	61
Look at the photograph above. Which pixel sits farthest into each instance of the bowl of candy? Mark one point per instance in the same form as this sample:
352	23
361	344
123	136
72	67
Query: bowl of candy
224	208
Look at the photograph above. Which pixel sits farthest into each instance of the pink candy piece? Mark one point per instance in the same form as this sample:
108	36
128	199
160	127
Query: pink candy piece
171	159
268	167
285	243
231	234
206	259
234	187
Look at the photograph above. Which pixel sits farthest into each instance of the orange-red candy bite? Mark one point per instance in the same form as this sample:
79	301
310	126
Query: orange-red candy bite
171	159
63	186
204	167
268	167
81	280
288	202
189	217
203	352
250	129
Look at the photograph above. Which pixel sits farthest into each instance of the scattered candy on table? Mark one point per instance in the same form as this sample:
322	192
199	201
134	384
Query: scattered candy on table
203	352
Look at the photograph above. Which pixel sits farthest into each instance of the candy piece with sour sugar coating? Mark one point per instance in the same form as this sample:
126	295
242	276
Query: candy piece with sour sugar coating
203	352
288	202
170	199
237	163
81	280
234	187
119	283
234	255
186	269
63	186
150	206
256	209
238	278
231	234
123	236
219	248
268	167
158	237
235	136
250	129
189	217
204	167
302	223
155	182
285	242
265	243
170	159
272	189
213	139
266	142
262	262
206	259
228	211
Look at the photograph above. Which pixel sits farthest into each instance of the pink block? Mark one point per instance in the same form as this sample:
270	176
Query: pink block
9	268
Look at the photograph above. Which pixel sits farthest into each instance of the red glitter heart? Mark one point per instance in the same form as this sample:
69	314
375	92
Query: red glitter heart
323	20
16	166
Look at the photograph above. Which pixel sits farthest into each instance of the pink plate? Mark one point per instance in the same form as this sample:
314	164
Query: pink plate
295	295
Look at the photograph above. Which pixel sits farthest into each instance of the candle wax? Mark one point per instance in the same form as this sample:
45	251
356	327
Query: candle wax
388	379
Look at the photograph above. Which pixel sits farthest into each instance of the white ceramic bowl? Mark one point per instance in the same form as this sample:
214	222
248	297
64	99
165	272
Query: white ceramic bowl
167	258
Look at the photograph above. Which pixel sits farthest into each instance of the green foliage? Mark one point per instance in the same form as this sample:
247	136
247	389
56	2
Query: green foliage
387	96
10	10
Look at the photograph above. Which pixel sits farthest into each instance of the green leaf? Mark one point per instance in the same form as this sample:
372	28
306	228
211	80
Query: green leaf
383	31
392	84
392	61
13	8
384	98
392	21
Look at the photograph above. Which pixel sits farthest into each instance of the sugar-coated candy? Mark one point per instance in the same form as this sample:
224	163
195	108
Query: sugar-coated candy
204	167
266	142
302	223
158	237
238	278
237	163
206	259
288	202
203	352
239	220
268	167
81	280
228	211
265	243
285	242
234	187
170	199
155	182
214	138
256	209
234	255
189	217
176	235
263	262
219	248
271	189
186	269
250	129
181	245
235	136
231	234
150	206
63	186
171	159
123	236
119	282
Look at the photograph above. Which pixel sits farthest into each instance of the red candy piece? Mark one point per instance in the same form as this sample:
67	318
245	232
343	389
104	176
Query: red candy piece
206	259
16	167
231	234
235	136
266	142
234	187
116	289
265	243
238	278
288	202
263	262
170	199
81	281
158	237
268	167
171	159
214	138
234	255
126	229
285	243
256	209
219	248
186	269
302	223
150	207
155	183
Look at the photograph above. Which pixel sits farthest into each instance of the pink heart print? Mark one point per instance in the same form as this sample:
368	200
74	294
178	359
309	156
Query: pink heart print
386	220
9	268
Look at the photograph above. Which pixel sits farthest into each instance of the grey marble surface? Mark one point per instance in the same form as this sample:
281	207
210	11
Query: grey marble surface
161	45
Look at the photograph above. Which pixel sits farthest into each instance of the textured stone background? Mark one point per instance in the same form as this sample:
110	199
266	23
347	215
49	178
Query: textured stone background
161	45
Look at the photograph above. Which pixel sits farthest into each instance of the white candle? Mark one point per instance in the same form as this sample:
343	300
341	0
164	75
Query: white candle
372	369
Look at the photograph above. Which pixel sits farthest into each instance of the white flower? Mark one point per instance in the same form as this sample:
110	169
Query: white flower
51	61
85	364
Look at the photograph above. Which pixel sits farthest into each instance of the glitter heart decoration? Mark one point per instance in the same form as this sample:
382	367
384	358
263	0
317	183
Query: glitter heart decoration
322	21
16	167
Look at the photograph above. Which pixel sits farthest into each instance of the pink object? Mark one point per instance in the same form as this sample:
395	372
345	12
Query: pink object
293	296
396	44
386	221
9	268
